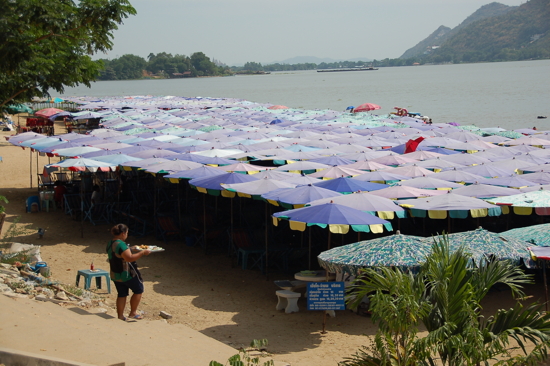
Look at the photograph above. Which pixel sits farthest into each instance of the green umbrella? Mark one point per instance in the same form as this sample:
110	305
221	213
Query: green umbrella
524	203
536	234
398	250
18	108
483	245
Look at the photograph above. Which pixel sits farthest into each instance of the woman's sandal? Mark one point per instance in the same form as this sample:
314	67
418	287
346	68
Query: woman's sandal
137	316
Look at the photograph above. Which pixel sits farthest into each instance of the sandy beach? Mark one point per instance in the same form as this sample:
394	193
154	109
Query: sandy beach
206	292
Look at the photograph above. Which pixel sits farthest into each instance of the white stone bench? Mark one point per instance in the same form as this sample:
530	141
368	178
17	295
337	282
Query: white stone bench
287	300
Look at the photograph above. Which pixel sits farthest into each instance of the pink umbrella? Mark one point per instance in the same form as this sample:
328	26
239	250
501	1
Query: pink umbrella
48	112
366	107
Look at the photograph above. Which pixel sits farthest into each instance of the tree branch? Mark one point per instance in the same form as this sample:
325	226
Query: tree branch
14	96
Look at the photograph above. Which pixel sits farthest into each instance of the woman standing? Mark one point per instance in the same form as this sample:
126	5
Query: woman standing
124	271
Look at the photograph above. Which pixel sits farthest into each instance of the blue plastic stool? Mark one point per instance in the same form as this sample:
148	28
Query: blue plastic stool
89	274
30	201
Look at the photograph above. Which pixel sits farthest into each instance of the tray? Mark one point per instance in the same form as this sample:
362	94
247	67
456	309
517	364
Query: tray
152	248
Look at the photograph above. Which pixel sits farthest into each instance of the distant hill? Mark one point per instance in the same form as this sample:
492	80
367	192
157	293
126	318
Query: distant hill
433	40
316	60
519	34
443	33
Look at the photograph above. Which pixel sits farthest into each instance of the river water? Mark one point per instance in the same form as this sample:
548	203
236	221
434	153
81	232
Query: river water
506	94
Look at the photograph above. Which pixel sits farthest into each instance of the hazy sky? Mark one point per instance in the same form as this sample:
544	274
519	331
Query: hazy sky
237	31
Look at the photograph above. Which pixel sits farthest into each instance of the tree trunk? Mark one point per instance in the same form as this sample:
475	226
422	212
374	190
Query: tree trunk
2	219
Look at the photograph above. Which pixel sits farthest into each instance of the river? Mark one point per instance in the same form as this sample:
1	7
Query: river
506	94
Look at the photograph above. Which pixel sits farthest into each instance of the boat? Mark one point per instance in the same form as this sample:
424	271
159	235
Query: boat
541	117
349	69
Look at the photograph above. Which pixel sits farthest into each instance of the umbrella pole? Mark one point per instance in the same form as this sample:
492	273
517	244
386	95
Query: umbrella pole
231	229
30	165
204	221
179	204
545	284
448	223
328	246
266	243
309	245
81	206
37	171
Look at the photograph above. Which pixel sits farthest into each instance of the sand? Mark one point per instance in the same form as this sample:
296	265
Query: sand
206	292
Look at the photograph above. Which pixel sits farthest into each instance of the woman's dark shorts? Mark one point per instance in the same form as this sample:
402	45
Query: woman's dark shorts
134	284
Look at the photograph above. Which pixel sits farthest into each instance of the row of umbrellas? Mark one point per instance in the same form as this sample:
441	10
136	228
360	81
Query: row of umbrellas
409	252
352	167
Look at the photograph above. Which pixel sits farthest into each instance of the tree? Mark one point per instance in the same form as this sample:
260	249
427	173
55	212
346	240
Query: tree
203	65
128	67
445	297
47	44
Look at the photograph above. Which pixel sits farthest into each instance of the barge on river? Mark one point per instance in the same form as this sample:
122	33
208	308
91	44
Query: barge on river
349	69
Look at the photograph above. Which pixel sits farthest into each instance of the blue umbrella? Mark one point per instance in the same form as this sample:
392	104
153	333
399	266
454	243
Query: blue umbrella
338	218
349	185
299	196
213	184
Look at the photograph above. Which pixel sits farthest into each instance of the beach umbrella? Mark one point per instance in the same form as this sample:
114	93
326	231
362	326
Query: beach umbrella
18	108
366	165
450	206
458	176
484	245
535	234
404	192
348	185
200	172
381	176
85	115
524	203
244	168
511	181
82	164
115	159
366	107
213	184
151	153
48	112
171	166
538	177
336	172
338	218
411	171
398	250
429	183
364	201
302	166
394	160
484	191
299	196
256	188
74	151
488	170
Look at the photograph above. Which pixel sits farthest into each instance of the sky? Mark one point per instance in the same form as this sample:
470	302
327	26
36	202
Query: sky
238	31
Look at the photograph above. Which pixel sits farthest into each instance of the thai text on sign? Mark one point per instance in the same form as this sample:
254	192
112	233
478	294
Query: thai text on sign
326	296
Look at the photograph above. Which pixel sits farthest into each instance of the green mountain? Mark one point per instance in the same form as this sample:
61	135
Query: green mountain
519	34
425	46
442	34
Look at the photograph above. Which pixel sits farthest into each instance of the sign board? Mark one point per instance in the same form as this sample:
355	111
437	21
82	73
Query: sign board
325	296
